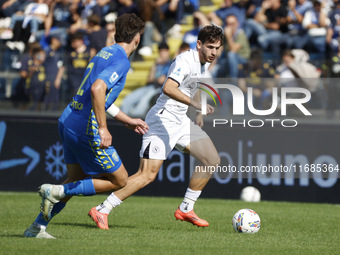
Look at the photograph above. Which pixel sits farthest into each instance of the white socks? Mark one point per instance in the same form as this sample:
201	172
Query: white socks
187	205
111	202
189	200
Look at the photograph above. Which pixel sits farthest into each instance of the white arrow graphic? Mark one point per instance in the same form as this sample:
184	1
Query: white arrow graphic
32	154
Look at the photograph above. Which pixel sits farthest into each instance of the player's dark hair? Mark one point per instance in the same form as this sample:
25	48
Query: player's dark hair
127	26
210	34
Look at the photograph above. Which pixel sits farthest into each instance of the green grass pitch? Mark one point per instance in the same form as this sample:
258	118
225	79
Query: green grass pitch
146	225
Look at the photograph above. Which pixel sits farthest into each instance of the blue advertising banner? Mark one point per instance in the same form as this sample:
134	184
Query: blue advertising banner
291	161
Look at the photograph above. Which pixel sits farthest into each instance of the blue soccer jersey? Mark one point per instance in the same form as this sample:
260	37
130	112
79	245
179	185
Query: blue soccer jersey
111	65
78	127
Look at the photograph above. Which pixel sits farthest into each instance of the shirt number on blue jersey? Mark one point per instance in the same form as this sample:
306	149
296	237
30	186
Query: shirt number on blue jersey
80	90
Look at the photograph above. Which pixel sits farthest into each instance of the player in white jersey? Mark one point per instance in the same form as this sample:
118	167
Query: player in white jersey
170	127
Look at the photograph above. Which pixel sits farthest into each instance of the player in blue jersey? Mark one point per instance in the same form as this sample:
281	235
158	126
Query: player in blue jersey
83	129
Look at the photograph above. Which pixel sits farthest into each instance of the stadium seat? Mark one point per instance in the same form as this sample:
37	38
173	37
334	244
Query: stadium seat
186	27
189	19
142	65
134	80
174	44
217	3
208	8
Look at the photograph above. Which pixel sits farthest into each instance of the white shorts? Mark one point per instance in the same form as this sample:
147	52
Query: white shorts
167	131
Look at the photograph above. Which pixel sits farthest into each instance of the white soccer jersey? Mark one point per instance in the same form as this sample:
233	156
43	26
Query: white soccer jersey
186	69
169	126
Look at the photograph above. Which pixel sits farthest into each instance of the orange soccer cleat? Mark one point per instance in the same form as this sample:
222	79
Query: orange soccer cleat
191	217
99	218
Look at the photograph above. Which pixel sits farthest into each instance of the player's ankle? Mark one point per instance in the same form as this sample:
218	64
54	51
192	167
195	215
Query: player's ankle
103	208
187	205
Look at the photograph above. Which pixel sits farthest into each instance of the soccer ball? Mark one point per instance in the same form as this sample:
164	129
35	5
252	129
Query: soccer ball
250	194
246	221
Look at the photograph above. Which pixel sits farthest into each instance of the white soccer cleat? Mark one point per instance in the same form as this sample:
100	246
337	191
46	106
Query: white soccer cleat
50	195
38	231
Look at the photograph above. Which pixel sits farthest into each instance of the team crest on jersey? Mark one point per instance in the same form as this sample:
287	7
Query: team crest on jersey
115	156
113	77
155	149
178	71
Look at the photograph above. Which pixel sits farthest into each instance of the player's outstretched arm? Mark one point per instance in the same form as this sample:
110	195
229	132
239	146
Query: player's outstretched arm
137	125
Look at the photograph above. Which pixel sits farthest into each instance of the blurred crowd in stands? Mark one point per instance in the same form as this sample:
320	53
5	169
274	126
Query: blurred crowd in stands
49	44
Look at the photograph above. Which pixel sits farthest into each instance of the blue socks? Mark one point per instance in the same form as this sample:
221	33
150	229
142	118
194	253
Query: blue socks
56	209
80	188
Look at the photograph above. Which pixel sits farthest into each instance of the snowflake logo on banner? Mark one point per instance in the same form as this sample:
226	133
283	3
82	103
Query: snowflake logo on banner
55	164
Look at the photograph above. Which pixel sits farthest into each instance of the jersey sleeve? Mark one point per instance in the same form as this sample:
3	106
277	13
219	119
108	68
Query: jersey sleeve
114	72
179	70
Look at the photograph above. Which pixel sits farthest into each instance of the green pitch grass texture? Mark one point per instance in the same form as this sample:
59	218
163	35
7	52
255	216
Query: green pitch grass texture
146	225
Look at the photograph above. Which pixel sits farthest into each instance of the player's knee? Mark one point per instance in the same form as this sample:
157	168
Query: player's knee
122	181
150	177
214	161
148	172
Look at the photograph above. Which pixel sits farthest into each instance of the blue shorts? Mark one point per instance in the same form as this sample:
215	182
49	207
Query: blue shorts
84	150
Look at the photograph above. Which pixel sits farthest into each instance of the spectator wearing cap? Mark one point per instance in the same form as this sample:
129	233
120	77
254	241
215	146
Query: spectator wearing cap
137	103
